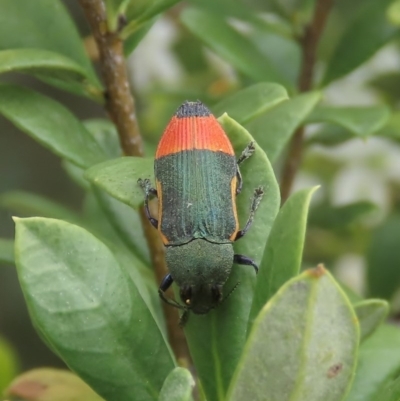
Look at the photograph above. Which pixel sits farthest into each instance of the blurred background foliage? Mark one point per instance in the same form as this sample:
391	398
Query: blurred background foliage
208	49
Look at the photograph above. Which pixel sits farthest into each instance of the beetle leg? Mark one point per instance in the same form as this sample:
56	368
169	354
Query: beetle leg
148	191
244	260
165	284
247	152
258	194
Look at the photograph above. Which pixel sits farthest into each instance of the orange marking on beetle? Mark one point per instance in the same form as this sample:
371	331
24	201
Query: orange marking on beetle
188	133
233	194
159	194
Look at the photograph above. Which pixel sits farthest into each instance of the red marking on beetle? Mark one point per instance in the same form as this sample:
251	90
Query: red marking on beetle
189	133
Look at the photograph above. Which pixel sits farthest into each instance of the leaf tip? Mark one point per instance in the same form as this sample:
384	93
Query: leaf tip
317	272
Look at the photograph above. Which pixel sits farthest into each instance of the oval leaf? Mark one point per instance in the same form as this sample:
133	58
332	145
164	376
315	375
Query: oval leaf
51	124
89	310
216	340
178	386
235	48
273	130
119	177
303	344
360	121
252	101
370	313
279	265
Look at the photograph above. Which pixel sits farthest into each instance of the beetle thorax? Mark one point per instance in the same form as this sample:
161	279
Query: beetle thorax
200	262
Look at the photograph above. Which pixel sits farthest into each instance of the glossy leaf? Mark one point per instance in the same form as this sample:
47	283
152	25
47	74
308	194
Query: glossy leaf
216	340
367	33
50	64
29	204
178	386
48	384
370	313
278	264
251	102
273	130
119	177
6	251
42	24
383	272
379	361
360	121
303	344
51	124
87	308
235	48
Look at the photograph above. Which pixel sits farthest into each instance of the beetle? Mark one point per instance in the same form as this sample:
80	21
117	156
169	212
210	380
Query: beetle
197	180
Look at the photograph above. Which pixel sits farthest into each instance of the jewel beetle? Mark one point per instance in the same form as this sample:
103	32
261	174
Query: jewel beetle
197	181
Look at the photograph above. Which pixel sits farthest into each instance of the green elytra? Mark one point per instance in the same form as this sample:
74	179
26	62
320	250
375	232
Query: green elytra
198	219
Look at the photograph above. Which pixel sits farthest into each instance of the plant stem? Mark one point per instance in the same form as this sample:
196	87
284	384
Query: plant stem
309	44
120	106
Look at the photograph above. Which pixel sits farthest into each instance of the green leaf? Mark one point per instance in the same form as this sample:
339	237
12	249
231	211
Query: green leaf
330	217
278	264
216	340
115	9
42	24
330	135
370	313
360	121
45	384
367	33
6	251
235	48
51	124
135	38
379	361
273	130
178	386
383	272
89	310
126	223
105	134
51	65
303	344
29	204
119	177
391	391
141	11
251	102
8	363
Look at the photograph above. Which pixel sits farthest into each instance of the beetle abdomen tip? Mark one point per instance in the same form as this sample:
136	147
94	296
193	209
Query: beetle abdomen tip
192	109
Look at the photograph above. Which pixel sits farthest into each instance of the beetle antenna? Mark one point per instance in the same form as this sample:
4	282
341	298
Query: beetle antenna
230	292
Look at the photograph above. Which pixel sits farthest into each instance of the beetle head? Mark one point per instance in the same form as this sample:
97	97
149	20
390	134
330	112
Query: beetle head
200	268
